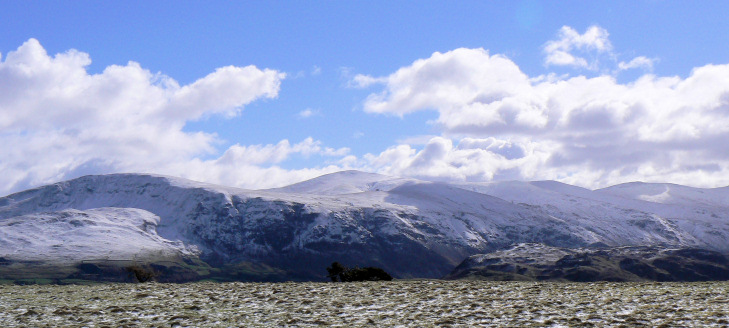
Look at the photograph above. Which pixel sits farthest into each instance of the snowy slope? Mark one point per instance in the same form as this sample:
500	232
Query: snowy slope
624	216
666	193
345	182
95	234
292	231
409	227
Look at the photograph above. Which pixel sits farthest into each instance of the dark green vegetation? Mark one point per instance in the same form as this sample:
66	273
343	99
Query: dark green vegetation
142	273
377	304
169	270
337	272
524	262
630	263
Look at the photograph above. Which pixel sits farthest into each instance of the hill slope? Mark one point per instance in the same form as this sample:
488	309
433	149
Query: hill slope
626	263
410	228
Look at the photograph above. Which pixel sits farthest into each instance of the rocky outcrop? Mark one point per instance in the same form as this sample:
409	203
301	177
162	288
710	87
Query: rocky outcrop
629	263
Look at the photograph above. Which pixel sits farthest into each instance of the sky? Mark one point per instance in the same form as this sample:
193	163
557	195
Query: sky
262	94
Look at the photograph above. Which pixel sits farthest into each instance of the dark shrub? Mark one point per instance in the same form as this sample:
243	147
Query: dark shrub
335	271
366	274
338	272
142	274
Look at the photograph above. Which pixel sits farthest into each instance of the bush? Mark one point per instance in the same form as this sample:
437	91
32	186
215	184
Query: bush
142	274
335	271
338	272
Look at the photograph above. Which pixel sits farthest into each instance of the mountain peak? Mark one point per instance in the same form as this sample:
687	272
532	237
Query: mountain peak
344	182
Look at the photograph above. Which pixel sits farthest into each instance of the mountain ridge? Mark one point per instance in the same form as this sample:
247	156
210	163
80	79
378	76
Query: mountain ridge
410	227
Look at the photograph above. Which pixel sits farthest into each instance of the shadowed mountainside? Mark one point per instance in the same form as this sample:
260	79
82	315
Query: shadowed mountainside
628	263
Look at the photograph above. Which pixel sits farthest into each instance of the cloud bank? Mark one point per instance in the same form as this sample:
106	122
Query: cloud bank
57	121
494	122
499	123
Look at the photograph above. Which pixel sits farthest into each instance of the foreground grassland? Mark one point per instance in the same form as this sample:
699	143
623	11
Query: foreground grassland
399	303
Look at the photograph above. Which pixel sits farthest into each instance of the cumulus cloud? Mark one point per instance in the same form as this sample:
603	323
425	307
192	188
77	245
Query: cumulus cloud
591	50
447	81
564	51
253	166
591	131
57	121
471	159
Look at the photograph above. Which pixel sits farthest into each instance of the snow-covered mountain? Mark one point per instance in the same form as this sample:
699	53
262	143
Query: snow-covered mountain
629	214
411	228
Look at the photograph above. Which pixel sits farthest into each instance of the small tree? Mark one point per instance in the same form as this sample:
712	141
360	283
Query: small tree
335	271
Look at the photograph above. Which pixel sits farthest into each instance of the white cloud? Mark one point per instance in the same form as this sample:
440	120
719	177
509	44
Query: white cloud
306	113
263	154
245	166
638	62
448	81
564	58
316	70
57	121
363	81
591	131
562	51
472	159
595	37
591	50
224	91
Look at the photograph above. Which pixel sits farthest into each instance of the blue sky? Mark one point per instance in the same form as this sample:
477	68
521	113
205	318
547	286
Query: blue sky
332	100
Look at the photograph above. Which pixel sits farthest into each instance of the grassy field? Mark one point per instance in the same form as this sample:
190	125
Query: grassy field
421	303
